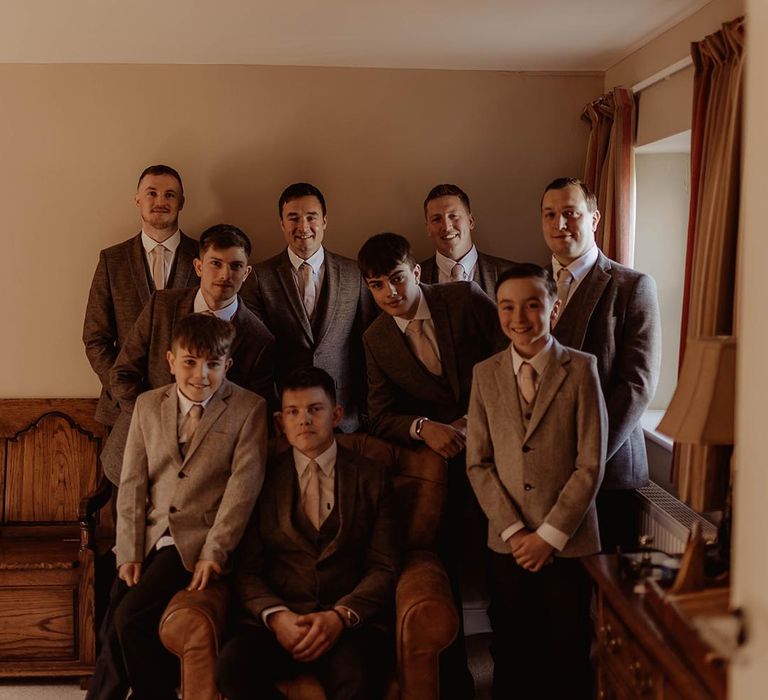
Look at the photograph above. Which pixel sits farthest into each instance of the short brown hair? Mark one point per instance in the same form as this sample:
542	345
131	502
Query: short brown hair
298	190
562	182
447	190
222	236
527	270
382	253
161	170
203	335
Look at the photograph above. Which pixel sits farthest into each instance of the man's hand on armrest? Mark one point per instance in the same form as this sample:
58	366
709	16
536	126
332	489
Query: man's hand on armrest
444	439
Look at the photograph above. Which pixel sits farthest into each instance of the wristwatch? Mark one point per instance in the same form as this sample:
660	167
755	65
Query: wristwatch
419	426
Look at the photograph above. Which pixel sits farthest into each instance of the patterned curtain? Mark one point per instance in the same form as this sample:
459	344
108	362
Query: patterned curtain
610	171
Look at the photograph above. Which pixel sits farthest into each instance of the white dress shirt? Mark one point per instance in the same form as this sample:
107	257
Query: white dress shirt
579	269
445	265
225	314
169	250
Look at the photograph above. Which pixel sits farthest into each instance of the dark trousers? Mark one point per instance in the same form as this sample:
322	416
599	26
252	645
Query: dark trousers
541	630
132	655
356	667
618	517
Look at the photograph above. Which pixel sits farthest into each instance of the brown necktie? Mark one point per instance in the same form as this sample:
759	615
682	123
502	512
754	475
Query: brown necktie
458	273
526	378
564	281
422	346
188	427
157	257
309	293
312	494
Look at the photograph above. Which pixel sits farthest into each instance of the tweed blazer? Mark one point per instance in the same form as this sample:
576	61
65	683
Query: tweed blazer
550	471
332	341
205	499
486	273
277	565
614	315
142	362
401	389
120	288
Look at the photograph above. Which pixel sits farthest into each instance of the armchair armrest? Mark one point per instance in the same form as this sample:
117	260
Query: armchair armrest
426	623
192	627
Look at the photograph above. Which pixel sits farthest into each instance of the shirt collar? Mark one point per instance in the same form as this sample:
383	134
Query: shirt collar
326	461
422	313
169	243
185	404
315	260
579	267
539	361
225	314
468	262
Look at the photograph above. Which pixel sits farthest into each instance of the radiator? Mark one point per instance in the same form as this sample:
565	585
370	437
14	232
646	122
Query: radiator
668	520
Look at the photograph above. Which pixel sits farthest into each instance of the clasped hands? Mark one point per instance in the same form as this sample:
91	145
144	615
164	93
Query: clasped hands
306	637
530	550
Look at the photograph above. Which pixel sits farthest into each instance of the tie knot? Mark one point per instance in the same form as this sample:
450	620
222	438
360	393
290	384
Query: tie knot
305	268
415	327
528	370
458	273
159	249
196	411
564	276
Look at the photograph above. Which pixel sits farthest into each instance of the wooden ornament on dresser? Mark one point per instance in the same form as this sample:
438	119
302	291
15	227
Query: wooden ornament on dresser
49	503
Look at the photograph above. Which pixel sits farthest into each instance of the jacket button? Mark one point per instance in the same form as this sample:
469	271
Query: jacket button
526	448
527	487
173	509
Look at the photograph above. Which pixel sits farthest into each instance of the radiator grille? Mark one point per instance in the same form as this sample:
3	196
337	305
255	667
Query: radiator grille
668	520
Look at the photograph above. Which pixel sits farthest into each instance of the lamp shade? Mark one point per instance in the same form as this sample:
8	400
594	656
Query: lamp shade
701	410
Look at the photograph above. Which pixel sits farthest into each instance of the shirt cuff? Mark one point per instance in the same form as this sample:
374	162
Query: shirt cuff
414	436
268	611
512	529
552	536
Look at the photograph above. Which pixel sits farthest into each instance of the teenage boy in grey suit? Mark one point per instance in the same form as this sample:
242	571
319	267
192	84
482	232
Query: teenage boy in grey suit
420	353
141	364
535	456
123	280
610	311
449	226
313	301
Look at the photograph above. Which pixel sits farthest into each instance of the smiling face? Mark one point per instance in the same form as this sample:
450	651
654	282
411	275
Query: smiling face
450	225
222	272
303	224
197	377
526	312
308	418
568	224
397	293
159	201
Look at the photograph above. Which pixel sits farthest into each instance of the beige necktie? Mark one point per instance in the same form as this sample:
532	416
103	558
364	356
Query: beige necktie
564	281
188	427
526	378
458	273
309	293
157	256
422	346
312	494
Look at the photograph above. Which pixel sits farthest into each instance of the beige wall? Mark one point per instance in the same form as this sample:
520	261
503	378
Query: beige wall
664	109
73	139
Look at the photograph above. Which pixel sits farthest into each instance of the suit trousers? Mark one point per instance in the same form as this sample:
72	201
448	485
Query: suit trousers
542	630
132	655
618	517
355	668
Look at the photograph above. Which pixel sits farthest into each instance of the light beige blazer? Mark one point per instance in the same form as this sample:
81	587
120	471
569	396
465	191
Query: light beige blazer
551	471
205	499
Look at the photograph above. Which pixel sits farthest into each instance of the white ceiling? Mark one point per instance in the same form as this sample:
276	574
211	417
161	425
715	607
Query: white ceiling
517	35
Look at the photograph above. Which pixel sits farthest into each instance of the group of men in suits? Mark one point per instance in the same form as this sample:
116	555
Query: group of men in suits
309	307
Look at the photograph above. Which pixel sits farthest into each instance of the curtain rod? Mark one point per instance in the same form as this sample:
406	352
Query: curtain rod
663	74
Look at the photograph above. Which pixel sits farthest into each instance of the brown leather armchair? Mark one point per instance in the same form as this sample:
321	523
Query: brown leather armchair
426	619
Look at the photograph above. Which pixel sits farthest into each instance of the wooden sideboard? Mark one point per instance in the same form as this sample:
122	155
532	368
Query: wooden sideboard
637	656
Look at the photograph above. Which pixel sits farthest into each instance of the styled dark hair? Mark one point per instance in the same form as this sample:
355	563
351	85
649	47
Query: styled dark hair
382	253
447	190
563	182
525	270
161	170
204	335
296	190
223	236
309	378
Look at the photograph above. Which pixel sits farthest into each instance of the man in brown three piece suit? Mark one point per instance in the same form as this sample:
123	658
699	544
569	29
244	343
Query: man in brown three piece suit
159	257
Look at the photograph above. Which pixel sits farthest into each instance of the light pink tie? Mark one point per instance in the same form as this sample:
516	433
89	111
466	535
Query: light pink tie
157	255
188	427
312	494
422	346
526	377
564	281
309	293
458	273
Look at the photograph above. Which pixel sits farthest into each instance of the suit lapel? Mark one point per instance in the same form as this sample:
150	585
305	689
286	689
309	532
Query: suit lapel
211	414
483	274
285	275
444	333
138	267
429	271
346	478
182	270
507	378
334	294
169	411
554	375
284	470
571	329
238	322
